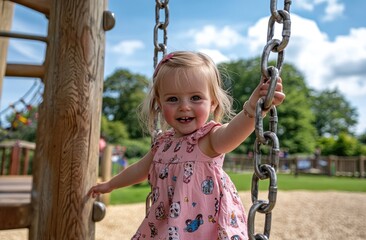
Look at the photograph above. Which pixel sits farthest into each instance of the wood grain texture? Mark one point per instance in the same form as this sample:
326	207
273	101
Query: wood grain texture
6	19
67	151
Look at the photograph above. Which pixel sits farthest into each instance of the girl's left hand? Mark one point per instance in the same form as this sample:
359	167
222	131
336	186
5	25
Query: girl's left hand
261	91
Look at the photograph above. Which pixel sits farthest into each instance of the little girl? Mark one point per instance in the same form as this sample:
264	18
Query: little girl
192	196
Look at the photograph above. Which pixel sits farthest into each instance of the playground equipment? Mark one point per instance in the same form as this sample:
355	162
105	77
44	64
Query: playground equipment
24	111
66	155
69	117
262	171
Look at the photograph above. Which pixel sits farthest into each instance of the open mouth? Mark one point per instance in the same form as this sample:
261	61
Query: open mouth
185	119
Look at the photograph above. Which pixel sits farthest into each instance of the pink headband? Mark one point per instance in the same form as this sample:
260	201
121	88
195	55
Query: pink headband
165	59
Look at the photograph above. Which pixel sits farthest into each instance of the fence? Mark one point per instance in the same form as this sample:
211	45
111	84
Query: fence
325	165
16	157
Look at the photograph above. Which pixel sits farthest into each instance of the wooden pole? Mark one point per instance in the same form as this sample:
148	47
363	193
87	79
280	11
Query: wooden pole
69	122
6	18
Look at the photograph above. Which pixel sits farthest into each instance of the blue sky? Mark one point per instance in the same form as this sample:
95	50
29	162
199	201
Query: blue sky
327	44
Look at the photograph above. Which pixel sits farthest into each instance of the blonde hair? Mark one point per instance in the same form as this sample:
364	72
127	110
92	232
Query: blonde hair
183	63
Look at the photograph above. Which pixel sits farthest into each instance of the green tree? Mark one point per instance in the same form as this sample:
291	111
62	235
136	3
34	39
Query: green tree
362	138
123	93
346	145
333	114
113	131
295	129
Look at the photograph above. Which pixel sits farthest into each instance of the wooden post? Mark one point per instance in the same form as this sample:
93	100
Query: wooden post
69	122
15	159
362	166
6	18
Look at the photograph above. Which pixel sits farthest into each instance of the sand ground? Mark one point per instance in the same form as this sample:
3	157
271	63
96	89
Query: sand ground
297	215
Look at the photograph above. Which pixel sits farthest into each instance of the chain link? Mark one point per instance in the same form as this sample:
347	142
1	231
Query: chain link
160	25
264	171
161	5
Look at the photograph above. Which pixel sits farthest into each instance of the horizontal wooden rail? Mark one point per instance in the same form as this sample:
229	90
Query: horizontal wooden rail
42	6
24	70
23	36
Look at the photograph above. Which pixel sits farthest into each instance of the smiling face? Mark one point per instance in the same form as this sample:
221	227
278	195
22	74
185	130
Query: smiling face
185	101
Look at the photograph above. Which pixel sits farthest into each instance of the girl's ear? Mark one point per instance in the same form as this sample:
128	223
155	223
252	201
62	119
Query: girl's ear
213	106
158	102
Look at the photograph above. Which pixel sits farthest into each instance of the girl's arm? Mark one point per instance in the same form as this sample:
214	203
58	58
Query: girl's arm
131	175
229	136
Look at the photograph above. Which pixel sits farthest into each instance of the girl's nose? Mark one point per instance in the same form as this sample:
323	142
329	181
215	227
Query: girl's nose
184	105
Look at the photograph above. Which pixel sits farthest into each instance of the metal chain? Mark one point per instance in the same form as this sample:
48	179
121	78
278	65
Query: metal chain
268	170
161	5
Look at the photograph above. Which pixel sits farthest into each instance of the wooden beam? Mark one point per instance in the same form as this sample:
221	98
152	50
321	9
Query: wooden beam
15	215
6	18
42	6
69	122
24	70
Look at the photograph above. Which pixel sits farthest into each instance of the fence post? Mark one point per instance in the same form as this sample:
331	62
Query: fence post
14	159
329	160
362	166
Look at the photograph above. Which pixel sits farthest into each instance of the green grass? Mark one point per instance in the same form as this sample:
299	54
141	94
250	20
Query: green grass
286	182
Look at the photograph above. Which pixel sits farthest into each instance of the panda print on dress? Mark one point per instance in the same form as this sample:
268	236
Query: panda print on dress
160	213
188	171
174	209
173	233
207	186
164	172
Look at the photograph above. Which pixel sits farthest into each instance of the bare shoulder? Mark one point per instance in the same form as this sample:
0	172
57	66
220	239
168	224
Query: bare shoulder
205	143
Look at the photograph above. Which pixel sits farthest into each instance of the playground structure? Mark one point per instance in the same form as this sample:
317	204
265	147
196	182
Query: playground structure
66	154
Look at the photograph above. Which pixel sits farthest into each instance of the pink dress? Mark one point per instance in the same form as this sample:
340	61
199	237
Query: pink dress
192	196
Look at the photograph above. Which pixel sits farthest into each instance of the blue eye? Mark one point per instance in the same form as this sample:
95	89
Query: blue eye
196	98
172	99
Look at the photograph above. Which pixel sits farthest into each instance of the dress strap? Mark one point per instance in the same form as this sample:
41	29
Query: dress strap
194	137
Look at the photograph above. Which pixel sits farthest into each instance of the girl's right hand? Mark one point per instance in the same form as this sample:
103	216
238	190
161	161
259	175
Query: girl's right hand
99	189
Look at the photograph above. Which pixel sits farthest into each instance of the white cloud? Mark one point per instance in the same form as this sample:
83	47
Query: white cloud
128	47
338	63
216	55
333	8
211	36
325	63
